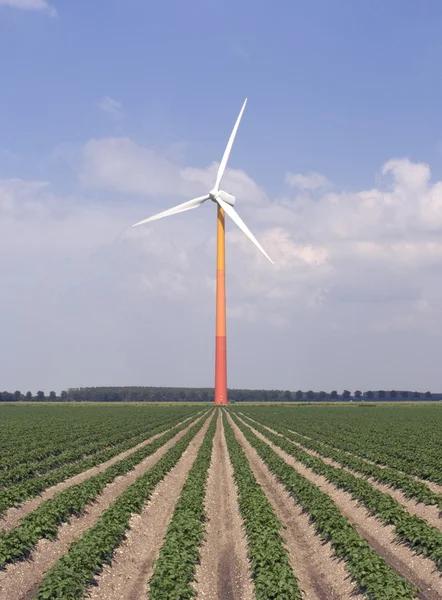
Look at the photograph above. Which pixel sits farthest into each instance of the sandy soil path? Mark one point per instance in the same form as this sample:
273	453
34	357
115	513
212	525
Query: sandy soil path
12	517
20	580
224	569
430	513
128	575
434	487
321	575
417	570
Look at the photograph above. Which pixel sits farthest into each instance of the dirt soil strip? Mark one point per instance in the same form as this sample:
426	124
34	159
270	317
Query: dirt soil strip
12	516
320	574
417	570
430	513
434	487
224	569
132	566
20	580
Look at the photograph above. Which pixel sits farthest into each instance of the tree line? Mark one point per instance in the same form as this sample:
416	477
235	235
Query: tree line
181	394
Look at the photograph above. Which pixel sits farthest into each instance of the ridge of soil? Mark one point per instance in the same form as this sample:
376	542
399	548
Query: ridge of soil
321	575
418	570
127	577
432	485
20	580
12	516
224	568
430	513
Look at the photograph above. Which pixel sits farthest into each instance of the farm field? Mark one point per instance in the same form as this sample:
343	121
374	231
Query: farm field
253	502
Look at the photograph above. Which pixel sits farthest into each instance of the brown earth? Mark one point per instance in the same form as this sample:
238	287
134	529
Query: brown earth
12	517
430	513
224	569
417	570
132	566
320	574
20	580
434	487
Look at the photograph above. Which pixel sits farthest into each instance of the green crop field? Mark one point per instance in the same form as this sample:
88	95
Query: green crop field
248	501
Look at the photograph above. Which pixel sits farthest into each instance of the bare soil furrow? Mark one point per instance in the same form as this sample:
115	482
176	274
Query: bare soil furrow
321	575
418	570
430	513
20	580
224	569
434	487
12	516
126	578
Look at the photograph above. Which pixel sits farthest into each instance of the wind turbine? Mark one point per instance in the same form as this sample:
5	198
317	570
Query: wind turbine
225	203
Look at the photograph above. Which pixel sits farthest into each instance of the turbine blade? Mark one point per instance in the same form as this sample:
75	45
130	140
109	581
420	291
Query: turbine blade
176	209
226	155
237	219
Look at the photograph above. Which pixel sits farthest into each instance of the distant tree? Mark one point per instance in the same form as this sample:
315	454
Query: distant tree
416	395
358	394
334	395
346	394
40	395
404	394
29	396
299	395
322	396
63	395
310	395
393	394
370	394
17	395
287	396
381	394
428	395
52	396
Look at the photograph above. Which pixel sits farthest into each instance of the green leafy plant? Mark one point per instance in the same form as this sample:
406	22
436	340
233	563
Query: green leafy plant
71	575
272	574
374	576
416	532
175	568
45	520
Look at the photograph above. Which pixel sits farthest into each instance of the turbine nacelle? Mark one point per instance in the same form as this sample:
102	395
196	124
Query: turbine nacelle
224	196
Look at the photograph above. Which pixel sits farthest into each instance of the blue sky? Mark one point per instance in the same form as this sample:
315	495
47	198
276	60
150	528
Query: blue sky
109	102
336	87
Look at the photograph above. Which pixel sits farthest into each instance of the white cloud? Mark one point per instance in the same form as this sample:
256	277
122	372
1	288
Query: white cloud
111	107
119	164
42	5
308	181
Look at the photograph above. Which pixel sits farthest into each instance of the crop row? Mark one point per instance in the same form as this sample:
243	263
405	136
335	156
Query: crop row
272	574
45	520
72	574
118	441
32	434
414	531
391	477
374	576
174	571
403	438
24	490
